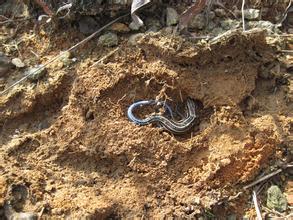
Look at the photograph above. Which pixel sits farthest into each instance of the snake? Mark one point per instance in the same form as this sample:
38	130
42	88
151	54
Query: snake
176	127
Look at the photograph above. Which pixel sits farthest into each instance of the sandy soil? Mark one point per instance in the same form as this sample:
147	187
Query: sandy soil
68	147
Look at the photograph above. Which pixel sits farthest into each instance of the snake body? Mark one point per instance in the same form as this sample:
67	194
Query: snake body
177	127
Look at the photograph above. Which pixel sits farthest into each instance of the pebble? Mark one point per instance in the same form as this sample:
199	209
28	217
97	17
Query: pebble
228	24
17	62
133	26
168	30
87	25
251	14
23	216
153	24
220	12
5	64
134	38
212	15
172	16
120	28
66	57
276	200
262	24
198	22
109	39
38	74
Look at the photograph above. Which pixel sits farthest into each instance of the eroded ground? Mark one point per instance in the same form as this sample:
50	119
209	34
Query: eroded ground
67	138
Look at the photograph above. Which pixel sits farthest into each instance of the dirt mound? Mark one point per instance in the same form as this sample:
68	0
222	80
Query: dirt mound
79	155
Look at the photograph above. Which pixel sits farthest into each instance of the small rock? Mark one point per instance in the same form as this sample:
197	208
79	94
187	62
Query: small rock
168	30
87	25
212	15
120	28
276	200
172	17
228	24
17	62
24	216
220	12
198	22
5	64
109	39
251	14
153	24
262	24
134	38
36	73
66	57
134	26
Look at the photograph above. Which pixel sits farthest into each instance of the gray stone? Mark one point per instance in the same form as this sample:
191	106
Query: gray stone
153	25
66	58
134	26
276	200
172	16
220	12
24	216
17	62
198	22
5	64
109	39
228	24
251	14
36	73
87	25
212	15
134	38
262	24
168	30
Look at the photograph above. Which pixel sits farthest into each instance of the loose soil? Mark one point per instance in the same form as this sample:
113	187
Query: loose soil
67	142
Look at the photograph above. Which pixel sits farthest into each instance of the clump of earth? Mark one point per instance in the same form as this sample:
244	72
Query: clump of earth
68	149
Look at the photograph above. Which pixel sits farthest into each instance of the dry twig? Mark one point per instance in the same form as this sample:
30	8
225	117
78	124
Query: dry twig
243	17
105	57
254	198
290	165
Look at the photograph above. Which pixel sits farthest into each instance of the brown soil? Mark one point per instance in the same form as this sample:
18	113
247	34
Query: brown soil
67	138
